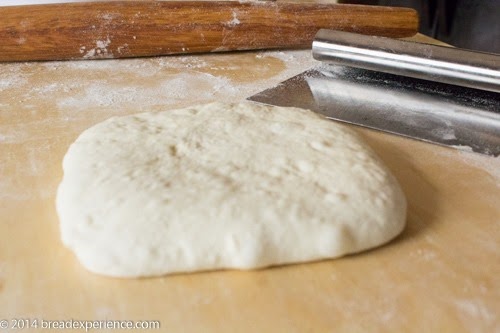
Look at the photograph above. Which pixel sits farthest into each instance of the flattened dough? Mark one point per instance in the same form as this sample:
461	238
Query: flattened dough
222	186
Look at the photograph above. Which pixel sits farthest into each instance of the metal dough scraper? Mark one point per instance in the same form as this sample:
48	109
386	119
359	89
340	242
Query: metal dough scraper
432	93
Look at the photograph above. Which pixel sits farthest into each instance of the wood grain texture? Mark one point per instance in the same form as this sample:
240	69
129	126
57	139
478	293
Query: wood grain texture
150	28
440	275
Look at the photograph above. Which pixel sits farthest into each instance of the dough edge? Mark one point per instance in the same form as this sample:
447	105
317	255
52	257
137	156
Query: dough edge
340	237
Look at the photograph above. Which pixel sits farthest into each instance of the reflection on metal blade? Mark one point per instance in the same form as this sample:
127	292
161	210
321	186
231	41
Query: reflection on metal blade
449	115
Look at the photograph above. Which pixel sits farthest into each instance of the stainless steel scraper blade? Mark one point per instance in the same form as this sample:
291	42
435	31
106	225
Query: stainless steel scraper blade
444	114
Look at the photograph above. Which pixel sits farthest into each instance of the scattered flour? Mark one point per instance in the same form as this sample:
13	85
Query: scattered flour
235	21
10	82
49	96
163	80
39	101
473	311
99	51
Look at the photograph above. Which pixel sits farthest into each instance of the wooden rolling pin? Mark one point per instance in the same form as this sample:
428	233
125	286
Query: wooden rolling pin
120	29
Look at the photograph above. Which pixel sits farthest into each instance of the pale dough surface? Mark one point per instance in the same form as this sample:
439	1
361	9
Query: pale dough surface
222	186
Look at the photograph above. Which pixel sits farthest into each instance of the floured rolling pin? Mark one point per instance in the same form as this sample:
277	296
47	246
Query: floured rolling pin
122	29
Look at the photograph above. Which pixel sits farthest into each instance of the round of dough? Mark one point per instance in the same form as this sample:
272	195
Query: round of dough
222	186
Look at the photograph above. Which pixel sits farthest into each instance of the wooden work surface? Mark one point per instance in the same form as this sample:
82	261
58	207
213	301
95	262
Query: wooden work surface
440	275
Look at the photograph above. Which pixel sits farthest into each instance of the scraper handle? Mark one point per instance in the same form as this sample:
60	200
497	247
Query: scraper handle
119	29
423	61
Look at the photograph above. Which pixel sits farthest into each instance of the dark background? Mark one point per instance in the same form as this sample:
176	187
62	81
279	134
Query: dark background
469	24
